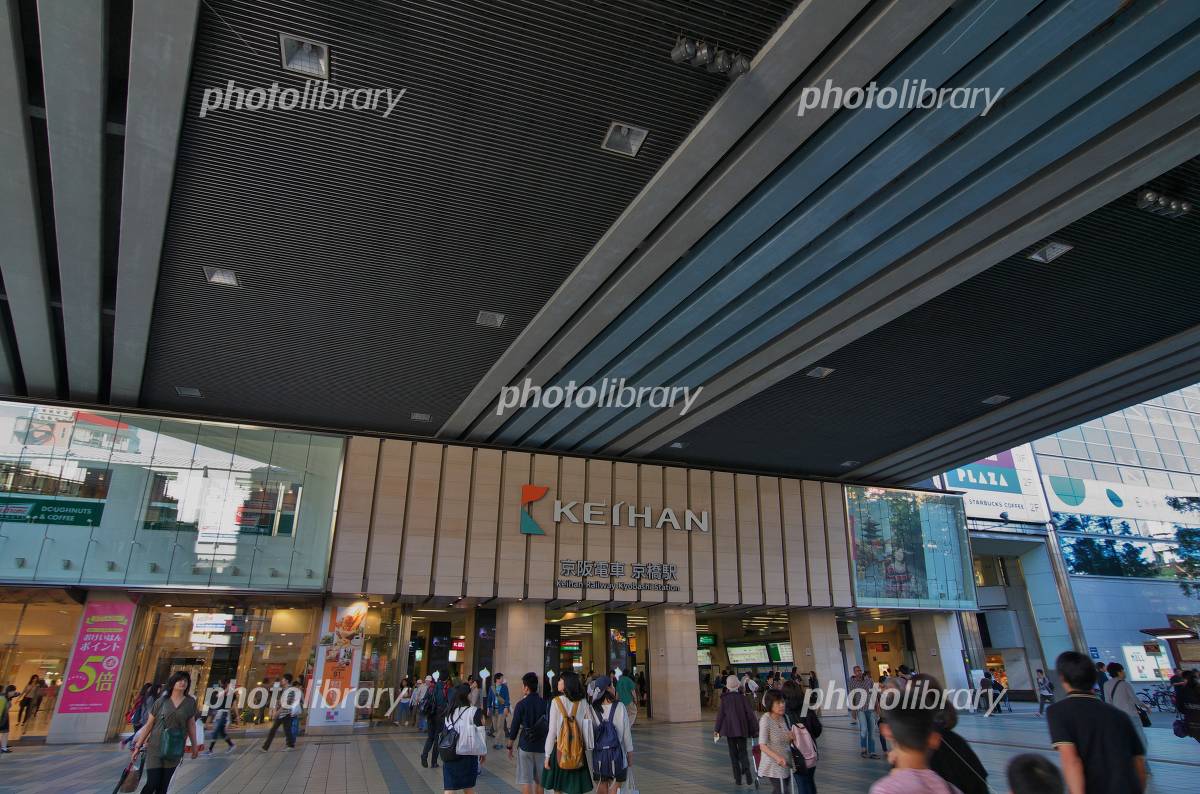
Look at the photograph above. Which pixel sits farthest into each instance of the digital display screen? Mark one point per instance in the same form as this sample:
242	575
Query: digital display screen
706	640
703	656
748	654
780	652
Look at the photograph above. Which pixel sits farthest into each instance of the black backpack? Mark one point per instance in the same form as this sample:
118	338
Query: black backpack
812	724
448	744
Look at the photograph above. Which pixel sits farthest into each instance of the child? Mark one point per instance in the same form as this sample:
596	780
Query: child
913	739
1034	774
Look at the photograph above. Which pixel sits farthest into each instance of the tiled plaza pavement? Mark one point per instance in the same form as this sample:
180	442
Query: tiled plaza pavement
679	759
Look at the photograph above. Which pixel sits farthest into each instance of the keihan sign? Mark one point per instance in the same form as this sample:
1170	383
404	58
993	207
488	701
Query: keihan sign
599	513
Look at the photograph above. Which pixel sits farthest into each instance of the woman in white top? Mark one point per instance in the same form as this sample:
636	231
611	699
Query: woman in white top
1119	692
610	765
569	704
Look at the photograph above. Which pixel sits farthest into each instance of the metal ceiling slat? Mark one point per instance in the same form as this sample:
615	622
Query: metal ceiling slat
160	56
74	77
557	334
22	256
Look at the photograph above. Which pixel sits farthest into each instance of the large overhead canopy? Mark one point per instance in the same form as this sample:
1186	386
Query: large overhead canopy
851	288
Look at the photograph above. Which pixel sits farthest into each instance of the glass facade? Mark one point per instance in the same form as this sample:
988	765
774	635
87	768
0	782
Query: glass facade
910	549
37	640
98	498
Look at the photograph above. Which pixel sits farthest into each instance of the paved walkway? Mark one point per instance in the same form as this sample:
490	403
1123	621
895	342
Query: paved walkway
679	759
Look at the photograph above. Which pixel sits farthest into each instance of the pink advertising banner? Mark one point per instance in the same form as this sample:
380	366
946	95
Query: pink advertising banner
96	661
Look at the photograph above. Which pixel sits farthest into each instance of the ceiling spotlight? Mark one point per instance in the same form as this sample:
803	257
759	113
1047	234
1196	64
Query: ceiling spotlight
1050	251
220	275
304	56
624	139
684	50
740	65
703	55
1157	203
721	63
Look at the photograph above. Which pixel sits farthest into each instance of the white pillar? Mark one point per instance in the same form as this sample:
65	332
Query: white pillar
520	642
674	681
815	646
939	648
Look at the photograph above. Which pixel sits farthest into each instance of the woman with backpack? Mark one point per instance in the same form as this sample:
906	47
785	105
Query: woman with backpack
462	747
568	739
736	721
612	744
805	727
775	744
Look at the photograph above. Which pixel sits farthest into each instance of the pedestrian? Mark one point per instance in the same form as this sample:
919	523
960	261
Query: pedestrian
170	726
1045	691
568	739
1029	773
1101	679
436	699
499	707
1119	693
139	709
627	692
528	727
953	759
473	690
29	700
736	721
911	729
6	699
989	691
405	707
1187	701
800	722
862	717
894	683
612	742
812	679
1098	749
286	712
774	743
462	772
222	706
418	698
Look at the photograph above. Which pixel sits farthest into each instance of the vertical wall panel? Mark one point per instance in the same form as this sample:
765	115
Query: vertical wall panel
701	569
774	587
416	565
749	558
625	537
354	516
452	522
510	564
543	567
483	526
677	539
839	548
598	537
725	541
572	481
387	527
796	551
814	531
651	550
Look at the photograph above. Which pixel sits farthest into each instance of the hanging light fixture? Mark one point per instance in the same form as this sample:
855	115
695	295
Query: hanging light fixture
703	55
684	50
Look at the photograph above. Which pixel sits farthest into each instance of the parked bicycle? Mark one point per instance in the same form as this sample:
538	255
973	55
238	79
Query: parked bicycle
1161	698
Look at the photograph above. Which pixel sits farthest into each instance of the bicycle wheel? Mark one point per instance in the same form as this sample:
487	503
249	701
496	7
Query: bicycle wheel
1147	699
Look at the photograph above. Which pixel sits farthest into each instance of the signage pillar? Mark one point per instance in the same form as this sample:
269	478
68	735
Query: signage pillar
438	657
550	656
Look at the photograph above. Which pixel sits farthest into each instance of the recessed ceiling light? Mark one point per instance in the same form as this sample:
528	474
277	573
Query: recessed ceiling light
624	139
304	56
221	275
678	444
1050	251
490	319
419	417
820	372
188	391
850	464
996	399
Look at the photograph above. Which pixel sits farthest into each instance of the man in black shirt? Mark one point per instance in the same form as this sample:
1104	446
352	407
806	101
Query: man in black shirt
530	719
1097	745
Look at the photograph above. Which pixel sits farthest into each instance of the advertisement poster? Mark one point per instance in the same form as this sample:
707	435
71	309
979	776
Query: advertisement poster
338	662
1004	483
96	659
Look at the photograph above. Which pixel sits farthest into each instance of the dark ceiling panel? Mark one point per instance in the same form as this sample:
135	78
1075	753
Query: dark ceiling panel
367	246
1014	329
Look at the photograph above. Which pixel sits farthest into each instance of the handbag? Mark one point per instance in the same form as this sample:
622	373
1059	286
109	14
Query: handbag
1180	728
131	775
469	740
171	743
629	786
1145	718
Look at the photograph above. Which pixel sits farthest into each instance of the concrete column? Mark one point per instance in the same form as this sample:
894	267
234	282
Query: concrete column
939	648
674	685
816	646
1051	603
852	647
92	726
520	642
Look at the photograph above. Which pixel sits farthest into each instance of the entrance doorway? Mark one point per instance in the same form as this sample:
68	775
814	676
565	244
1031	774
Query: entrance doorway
885	645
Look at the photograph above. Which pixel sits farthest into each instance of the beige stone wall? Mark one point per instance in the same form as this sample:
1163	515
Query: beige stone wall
421	519
674	693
